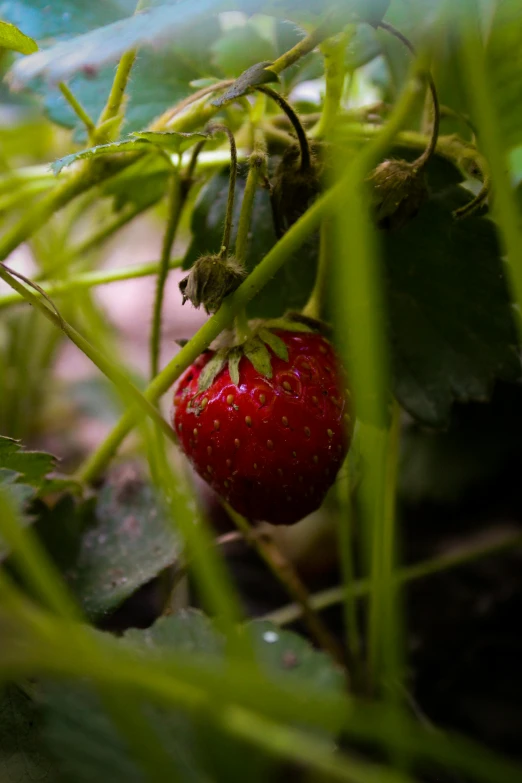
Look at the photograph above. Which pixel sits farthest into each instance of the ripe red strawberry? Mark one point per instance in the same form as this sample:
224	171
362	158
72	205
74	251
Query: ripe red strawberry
271	446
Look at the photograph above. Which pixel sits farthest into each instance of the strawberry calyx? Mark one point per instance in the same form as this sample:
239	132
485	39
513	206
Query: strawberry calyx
257	348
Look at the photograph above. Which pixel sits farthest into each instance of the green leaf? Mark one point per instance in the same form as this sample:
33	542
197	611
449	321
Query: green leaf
89	749
71	17
129	542
13	38
292	285
171	140
240	48
259	356
23	757
451	323
129	145
276	343
33	466
253	76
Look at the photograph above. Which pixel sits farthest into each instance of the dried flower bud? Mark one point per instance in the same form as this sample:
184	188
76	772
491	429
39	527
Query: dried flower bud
210	280
399	190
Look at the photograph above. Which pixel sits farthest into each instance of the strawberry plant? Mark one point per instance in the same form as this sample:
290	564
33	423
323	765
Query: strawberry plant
260	290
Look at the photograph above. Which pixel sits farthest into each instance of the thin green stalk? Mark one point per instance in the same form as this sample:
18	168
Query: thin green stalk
478	85
304	146
256	170
104	364
346	556
176	201
257	279
333	51
229	215
77	107
304	47
317	300
87	280
361	588
384	622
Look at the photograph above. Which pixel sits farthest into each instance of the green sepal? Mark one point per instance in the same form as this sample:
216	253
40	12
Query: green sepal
275	343
287	325
211	369
259	356
234	358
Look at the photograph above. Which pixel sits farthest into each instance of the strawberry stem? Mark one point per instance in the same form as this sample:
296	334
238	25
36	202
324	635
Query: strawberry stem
257	168
315	304
243	330
423	159
229	217
304	146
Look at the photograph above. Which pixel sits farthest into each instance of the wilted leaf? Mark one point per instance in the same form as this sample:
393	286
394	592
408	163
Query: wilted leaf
451	322
13	38
128	543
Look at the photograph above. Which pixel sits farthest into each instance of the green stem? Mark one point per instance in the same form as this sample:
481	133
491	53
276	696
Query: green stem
229	215
257	279
384	623
315	304
362	588
333	52
77	107
304	47
421	162
176	201
346	550
257	167
104	364
165	119
304	146
88	280
478	83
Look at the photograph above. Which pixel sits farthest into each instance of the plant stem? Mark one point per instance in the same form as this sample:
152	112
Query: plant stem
163	121
77	107
256	170
257	279
333	52
476	203
88	280
362	588
478	84
423	159
315	304
176	201
104	364
286	574
304	47
384	623
304	146
229	216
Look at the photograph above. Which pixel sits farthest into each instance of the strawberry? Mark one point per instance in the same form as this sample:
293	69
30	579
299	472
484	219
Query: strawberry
268	436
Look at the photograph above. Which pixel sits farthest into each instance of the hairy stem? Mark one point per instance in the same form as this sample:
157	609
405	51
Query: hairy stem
302	138
304	47
256	171
77	107
333	52
423	159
